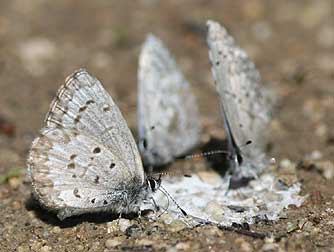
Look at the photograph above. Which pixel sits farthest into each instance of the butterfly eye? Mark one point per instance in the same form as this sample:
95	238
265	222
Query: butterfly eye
152	184
144	142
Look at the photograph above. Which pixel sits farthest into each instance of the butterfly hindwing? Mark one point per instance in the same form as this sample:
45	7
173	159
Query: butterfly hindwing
167	111
246	105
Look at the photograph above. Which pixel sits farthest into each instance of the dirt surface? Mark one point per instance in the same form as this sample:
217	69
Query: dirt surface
292	43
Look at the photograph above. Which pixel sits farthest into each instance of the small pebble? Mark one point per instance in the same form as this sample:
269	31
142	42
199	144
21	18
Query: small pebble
95	246
270	247
45	249
22	249
31	214
112	227
123	224
56	230
46	234
329	210
113	242
214	231
14	183
80	247
314	155
145	242
243	245
183	246
118	225
269	239
315	231
166	218
287	164
176	225
326	168
16	205
321	130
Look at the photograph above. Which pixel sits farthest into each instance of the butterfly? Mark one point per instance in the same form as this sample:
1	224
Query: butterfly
85	159
246	105
168	122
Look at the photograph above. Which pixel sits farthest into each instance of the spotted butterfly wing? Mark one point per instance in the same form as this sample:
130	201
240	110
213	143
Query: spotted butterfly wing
167	110
246	105
85	159
82	103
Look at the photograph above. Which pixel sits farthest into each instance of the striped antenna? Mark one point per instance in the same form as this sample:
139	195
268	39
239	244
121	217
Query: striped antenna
170	174
211	153
205	154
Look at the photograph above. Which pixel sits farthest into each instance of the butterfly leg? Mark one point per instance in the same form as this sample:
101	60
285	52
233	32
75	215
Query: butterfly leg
156	207
119	217
139	216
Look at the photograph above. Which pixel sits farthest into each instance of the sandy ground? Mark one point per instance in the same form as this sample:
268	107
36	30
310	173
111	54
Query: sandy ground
292	43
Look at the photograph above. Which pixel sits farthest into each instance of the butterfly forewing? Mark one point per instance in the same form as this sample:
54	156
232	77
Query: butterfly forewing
245	104
83	104
167	111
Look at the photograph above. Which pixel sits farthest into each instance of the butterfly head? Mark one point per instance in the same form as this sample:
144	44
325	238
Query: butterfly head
153	184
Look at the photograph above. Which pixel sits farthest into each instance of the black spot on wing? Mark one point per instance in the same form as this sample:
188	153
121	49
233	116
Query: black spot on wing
89	102
82	109
71	166
76	193
97	150
106	108
77	119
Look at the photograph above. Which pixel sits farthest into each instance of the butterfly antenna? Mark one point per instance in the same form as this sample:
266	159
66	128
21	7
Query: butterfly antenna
172	174
165	209
164	191
205	154
213	152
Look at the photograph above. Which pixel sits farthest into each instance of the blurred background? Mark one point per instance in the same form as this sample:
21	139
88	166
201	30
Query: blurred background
291	42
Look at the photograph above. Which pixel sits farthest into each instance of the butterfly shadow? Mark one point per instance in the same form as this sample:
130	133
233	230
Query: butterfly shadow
215	152
217	161
51	218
